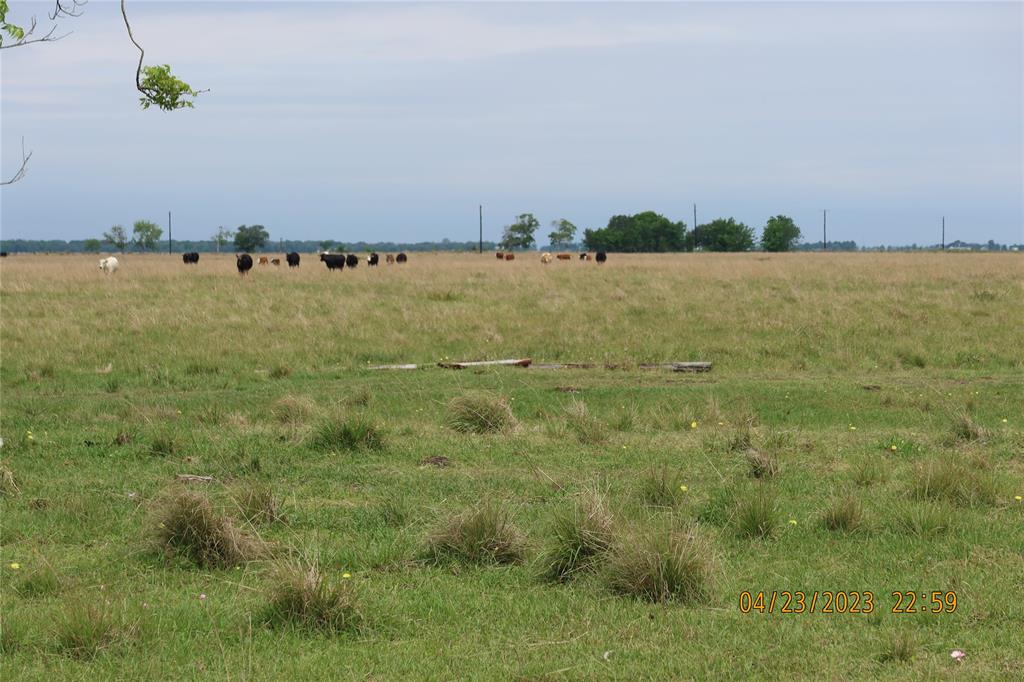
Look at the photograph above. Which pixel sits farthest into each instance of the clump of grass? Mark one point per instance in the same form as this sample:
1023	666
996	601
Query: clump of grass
394	510
85	629
112	384
911	358
626	419
280	371
578	538
964	429
952	481
899	648
40	581
756	516
740	439
588	429
360	398
843	514
761	465
258	504
8	484
164	445
187	525
661	487
301	597
480	413
924	519
293	410
869	470
351	433
663	565
484	534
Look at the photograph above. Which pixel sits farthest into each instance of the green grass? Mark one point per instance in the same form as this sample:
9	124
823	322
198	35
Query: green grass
460	571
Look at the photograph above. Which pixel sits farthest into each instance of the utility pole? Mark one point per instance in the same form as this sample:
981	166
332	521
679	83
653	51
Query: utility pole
824	229
481	228
694	226
943	233
170	239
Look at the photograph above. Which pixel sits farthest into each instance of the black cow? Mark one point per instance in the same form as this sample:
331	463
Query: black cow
351	260
3	254
401	258
333	261
293	259
601	257
372	259
243	262
190	258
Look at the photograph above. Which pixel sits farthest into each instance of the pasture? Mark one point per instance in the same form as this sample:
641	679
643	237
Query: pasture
862	430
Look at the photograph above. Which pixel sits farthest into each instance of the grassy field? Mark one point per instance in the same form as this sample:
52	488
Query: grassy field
862	431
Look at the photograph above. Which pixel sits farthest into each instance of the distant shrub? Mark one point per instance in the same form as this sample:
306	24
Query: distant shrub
302	598
480	413
352	433
484	534
187	525
663	565
577	538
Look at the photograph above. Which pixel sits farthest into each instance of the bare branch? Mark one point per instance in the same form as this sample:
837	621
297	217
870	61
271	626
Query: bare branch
142	53
24	166
24	40
63	8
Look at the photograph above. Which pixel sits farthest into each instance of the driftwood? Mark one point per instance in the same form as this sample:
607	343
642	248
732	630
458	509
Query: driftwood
192	478
525	362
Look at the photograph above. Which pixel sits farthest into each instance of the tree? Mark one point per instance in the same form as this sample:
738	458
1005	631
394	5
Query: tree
519	235
326	244
643	232
92	245
780	234
725	234
250	238
116	237
563	234
222	237
145	234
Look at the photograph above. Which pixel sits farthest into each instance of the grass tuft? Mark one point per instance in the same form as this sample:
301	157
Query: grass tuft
663	566
924	519
899	648
187	525
347	434
761	465
869	470
661	487
280	371
40	581
258	504
480	413
964	429
293	410
300	597
8	484
756	516
164	445
484	534
587	428
843	514
952	481
85	630
578	538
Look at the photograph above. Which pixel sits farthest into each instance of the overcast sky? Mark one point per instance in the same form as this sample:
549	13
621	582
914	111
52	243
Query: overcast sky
394	121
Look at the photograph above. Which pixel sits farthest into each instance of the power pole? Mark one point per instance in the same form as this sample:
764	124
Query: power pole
943	233
824	229
481	228
695	227
170	239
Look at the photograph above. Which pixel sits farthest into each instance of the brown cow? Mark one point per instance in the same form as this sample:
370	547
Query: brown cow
389	259
564	256
500	255
264	260
510	256
275	261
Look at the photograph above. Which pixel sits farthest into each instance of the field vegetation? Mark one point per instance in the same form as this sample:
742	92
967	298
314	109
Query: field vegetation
200	475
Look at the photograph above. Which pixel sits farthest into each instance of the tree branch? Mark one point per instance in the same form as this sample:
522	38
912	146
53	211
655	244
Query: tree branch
62	8
24	166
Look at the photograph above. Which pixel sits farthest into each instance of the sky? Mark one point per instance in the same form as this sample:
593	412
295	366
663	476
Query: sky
394	121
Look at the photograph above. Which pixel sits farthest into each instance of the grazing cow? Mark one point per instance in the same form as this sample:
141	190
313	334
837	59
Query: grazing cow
108	265
293	259
500	255
3	254
275	261
243	262
584	256
333	261
190	258
372	260
564	256
351	260
389	259
545	258
510	256
401	258
601	257
264	260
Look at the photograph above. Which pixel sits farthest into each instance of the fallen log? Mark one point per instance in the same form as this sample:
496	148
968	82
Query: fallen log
395	367
524	362
681	366
193	478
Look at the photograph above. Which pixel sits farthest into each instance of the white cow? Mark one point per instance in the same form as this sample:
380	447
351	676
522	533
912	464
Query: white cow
545	258
109	265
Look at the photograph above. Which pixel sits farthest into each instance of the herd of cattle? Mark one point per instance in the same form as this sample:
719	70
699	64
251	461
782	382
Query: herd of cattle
338	261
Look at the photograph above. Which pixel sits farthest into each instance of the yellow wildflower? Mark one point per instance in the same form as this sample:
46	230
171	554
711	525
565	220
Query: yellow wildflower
15	566
693	424
346	575
684	488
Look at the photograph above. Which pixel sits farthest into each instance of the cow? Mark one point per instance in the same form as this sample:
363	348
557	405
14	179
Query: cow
500	255
564	256
545	258
601	257
243	262
293	259
333	261
510	256
389	259
108	265
275	261
584	256
264	260
401	258
351	260
372	260
190	258
3	254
